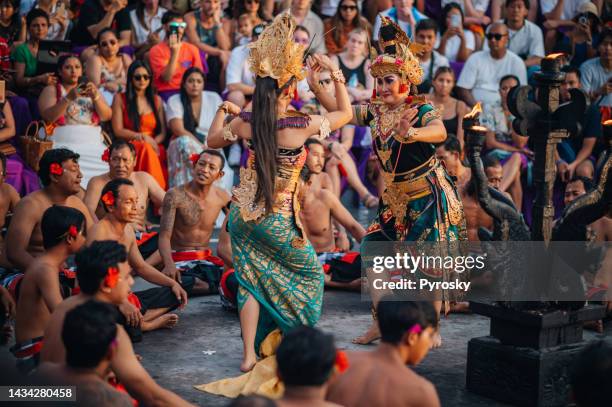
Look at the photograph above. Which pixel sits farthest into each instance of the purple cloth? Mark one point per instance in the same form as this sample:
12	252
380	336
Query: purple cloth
166	94
20	176
21	113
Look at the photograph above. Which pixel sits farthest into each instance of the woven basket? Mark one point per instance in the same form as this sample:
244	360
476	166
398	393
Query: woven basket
32	146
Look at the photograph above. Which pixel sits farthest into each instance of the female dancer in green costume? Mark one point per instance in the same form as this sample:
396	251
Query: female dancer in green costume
420	202
280	278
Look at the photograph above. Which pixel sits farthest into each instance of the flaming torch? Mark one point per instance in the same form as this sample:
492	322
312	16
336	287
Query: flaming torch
607	131
475	133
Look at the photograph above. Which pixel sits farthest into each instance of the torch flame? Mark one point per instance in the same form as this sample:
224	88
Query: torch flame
475	112
554	56
607	123
479	128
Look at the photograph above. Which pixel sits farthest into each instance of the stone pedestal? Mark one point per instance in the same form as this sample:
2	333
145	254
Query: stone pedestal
528	356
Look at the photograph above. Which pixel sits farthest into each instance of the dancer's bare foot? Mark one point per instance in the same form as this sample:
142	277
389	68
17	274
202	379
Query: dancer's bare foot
167	321
437	340
248	363
372	334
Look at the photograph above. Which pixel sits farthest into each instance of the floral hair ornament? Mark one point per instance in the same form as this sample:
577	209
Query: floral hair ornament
112	277
106	155
108	198
73	231
341	363
56	169
416	329
194	158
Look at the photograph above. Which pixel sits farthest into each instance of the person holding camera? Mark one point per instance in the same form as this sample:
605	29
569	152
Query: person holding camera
172	57
456	43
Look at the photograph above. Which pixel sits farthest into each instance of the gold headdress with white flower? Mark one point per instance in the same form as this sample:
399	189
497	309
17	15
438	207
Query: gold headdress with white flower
399	54
275	54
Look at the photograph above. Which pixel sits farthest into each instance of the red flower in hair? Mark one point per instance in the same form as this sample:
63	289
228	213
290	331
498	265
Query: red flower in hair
398	61
409	100
342	362
194	158
56	169
72	231
108	198
112	277
106	156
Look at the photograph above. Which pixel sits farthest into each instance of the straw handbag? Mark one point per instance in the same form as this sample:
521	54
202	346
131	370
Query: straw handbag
32	146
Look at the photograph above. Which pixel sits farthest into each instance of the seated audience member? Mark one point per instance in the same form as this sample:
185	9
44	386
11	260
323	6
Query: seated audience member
95	16
188	219
138	117
172	57
147	28
580	38
430	60
525	38
450	153
24	57
355	66
576	153
59	20
591	376
107	69
190	115
407	335
318	207
89	334
40	290
479	79
403	13
205	31
104	275
121	165
76	112
452	109
596	73
12	26
474	11
14	169
246	14
305	17
456	43
146	312
239	78
338	27
306	359
9	198
60	177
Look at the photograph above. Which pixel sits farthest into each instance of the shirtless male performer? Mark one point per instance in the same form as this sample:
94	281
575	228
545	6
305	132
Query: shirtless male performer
121	163
381	377
9	198
104	275
40	290
188	219
60	176
319	207
147	313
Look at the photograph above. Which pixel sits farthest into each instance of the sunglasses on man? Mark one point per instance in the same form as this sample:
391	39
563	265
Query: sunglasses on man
495	36
178	25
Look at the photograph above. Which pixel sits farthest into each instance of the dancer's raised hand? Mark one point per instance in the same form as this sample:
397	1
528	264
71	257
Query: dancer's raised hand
407	121
325	62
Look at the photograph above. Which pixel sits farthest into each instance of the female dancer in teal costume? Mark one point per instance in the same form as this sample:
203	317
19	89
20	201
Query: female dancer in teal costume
281	280
420	202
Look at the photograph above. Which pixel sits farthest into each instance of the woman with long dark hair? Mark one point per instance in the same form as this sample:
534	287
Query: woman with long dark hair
280	279
190	115
338	27
138	117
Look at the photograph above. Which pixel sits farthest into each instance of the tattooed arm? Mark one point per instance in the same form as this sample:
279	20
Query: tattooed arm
165	234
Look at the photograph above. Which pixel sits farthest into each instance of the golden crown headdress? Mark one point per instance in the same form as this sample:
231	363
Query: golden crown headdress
399	54
275	54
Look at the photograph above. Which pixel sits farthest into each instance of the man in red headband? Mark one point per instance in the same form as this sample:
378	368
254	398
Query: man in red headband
187	223
147	310
60	176
40	290
104	275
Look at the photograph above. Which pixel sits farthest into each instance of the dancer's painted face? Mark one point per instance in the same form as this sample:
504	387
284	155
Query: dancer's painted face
388	87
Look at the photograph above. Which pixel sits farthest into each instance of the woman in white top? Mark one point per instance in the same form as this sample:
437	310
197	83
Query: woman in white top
190	114
456	43
76	112
147	28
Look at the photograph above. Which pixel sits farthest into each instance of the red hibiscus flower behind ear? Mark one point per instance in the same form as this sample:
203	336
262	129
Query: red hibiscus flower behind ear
106	156
342	362
72	231
112	277
56	169
194	158
108	198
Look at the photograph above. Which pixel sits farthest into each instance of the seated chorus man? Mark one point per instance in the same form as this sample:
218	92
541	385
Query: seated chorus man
121	163
407	330
9	198
61	179
188	219
319	207
40	291
89	334
305	361
104	275
144	310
